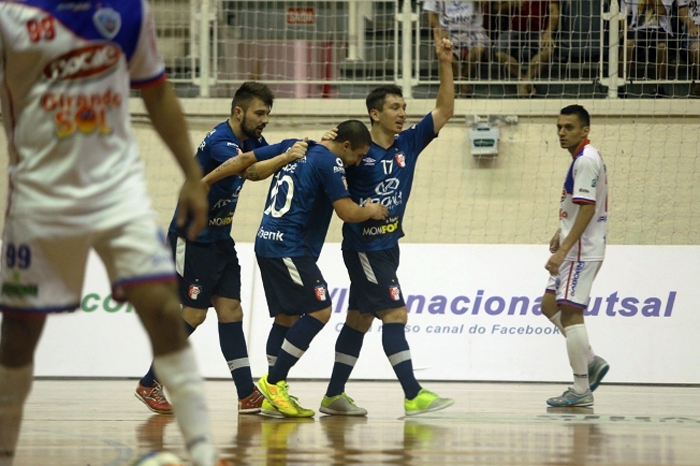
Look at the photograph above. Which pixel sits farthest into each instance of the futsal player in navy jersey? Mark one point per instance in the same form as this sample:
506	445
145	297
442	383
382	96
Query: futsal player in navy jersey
207	266
301	201
371	248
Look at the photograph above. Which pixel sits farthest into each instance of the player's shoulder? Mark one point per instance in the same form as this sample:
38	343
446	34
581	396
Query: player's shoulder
590	152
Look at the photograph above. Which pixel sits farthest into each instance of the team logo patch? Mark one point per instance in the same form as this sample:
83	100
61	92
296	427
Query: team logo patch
394	292
400	159
320	291
108	22
194	291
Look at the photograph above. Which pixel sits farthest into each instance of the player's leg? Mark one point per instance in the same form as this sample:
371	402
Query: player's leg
18	341
141	270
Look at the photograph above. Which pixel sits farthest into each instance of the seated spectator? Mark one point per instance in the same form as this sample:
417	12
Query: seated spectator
689	12
463	24
649	29
530	36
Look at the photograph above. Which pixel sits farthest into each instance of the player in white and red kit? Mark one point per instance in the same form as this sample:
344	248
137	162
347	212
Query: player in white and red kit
76	183
578	249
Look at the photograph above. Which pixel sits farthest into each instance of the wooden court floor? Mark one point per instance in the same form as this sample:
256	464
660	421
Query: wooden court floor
100	422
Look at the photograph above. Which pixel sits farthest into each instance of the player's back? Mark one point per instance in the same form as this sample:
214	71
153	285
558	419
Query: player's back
299	205
65	81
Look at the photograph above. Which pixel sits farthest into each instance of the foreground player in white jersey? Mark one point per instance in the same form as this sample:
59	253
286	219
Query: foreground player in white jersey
77	183
578	249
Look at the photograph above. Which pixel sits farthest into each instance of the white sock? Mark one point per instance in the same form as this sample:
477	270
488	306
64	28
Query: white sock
14	389
178	373
556	320
578	348
591	355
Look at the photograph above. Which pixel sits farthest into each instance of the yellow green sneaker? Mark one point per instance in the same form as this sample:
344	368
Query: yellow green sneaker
341	405
270	411
426	402
278	397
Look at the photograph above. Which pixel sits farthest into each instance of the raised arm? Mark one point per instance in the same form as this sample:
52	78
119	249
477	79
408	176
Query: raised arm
350	212
264	169
234	166
445	104
169	122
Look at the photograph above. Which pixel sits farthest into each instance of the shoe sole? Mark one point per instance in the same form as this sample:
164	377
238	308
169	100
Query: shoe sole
157	411
249	411
432	410
572	405
601	373
273	414
333	412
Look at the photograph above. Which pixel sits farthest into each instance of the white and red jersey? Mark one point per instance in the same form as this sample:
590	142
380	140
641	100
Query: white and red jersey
586	183
66	68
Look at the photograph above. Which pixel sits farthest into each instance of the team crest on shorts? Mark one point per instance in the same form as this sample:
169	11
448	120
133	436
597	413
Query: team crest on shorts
320	291
395	292
194	291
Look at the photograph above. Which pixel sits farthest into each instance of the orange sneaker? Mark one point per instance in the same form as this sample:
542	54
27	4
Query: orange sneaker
252	403
154	398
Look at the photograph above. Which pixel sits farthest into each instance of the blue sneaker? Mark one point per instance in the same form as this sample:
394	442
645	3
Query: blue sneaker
596	371
570	399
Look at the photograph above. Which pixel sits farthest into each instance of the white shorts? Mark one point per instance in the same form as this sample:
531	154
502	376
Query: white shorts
44	260
574	282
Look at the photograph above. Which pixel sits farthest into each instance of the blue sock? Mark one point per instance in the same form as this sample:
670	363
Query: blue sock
233	347
150	377
347	350
295	344
274	344
399	354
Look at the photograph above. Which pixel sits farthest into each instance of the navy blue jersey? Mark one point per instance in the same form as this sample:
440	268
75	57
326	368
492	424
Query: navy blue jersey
385	176
300	203
219	145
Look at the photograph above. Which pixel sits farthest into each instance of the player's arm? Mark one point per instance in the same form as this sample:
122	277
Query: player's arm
445	104
583	218
234	166
552	25
265	168
554	242
166	115
434	22
350	212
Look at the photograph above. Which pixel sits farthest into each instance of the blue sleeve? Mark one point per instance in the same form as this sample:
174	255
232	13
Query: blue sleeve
271	151
331	172
221	151
417	137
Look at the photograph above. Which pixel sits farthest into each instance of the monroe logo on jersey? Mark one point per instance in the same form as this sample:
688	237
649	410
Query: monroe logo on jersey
320	291
85	62
194	291
108	22
400	159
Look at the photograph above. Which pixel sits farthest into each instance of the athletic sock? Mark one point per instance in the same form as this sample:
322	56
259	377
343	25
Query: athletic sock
274	343
294	346
577	347
347	350
15	384
233	347
150	378
556	320
397	350
178	372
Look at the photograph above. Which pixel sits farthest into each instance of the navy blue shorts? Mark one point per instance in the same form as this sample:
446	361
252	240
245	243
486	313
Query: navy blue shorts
205	270
374	285
293	285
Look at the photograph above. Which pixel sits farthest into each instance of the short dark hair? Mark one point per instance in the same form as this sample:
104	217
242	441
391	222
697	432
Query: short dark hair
581	113
354	131
250	90
375	99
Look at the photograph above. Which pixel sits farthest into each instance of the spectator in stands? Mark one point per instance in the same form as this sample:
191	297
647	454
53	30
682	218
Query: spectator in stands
689	12
649	29
530	36
463	24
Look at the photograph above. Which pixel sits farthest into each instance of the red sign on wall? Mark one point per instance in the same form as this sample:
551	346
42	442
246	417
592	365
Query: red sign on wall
301	15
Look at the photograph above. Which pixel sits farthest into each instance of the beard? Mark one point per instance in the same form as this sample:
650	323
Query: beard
250	131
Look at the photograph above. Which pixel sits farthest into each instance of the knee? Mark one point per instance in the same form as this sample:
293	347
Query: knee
358	321
324	315
232	312
394	316
194	317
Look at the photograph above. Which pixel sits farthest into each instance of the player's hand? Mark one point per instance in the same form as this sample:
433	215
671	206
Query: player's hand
554	243
330	135
193	207
554	263
298	150
443	47
377	211
546	41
